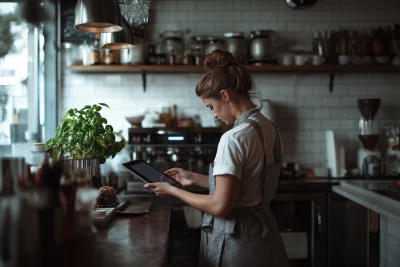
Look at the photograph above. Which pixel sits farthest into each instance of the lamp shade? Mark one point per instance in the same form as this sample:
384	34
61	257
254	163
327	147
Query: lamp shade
122	39
98	16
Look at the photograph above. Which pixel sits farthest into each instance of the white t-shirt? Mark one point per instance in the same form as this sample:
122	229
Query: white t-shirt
241	154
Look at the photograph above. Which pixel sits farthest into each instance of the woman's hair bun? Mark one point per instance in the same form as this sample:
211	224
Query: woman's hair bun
219	58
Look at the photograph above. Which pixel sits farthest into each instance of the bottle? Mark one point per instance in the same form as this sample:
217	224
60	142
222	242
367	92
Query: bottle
94	53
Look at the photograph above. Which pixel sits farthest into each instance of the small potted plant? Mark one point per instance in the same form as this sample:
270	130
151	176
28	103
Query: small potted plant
85	140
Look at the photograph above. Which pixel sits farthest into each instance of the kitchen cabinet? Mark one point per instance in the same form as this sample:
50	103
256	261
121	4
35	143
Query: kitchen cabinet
303	222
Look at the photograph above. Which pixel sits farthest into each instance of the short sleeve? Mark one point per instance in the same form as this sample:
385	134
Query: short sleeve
230	157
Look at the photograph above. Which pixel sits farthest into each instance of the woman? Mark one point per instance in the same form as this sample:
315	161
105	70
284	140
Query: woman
238	228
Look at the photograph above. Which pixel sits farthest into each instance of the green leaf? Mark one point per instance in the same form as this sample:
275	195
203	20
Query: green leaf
104	105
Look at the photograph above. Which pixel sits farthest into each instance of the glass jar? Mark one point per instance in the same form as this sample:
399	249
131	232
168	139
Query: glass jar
37	157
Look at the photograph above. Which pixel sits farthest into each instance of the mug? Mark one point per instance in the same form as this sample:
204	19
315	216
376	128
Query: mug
300	60
287	59
344	59
317	60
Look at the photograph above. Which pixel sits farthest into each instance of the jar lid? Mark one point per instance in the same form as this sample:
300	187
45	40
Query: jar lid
213	39
261	33
233	35
38	147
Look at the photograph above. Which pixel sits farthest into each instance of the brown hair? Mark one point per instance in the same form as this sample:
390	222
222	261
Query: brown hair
224	73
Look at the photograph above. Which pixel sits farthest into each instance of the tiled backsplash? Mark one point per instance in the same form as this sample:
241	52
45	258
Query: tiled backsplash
305	107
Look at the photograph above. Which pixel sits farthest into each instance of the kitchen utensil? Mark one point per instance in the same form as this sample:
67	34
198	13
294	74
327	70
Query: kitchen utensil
135	121
236	44
372	166
213	43
298	4
300	59
260	45
122	52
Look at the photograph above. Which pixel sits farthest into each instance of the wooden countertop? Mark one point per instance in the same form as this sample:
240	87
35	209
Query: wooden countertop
140	240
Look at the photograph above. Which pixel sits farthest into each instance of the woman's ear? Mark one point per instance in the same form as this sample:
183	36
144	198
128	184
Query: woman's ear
225	95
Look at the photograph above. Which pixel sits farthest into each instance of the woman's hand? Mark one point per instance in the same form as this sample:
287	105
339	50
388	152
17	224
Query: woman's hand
182	176
160	189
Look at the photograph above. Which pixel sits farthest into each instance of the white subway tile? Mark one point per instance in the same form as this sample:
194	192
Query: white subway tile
205	27
278	5
178	16
241	5
331	101
260	25
313	101
242	26
113	79
222	27
277	26
234	16
251	16
205	5
303	136
286	16
295	27
224	5
195	17
339	15
330	124
187	5
160	17
322	113
213	16
259	5
321	16
306	90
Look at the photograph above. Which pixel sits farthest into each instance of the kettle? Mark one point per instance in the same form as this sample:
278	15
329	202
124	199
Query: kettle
296	4
372	166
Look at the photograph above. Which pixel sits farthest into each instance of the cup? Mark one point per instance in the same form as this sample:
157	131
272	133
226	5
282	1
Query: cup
300	60
344	59
287	59
317	60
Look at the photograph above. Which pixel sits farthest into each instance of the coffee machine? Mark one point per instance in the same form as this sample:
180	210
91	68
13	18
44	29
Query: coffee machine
369	158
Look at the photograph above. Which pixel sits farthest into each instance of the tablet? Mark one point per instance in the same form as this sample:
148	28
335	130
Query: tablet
148	173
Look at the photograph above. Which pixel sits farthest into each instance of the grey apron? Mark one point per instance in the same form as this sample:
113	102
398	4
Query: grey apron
249	236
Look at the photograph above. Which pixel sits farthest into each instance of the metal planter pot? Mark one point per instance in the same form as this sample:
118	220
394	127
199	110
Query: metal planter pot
93	165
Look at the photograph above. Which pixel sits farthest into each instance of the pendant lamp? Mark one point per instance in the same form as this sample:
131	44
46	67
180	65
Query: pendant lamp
98	16
122	39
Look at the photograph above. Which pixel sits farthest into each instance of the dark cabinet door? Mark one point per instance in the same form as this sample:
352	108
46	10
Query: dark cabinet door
302	220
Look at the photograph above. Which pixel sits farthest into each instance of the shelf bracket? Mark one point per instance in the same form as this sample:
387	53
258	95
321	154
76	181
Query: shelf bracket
331	81
144	81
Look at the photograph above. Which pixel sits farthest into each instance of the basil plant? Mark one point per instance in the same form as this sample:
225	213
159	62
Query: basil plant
85	134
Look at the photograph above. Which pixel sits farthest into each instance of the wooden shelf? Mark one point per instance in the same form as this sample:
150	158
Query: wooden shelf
251	68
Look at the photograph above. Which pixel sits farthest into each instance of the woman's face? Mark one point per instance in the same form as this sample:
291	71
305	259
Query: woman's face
220	108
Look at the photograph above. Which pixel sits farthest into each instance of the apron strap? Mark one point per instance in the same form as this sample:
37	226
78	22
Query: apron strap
272	171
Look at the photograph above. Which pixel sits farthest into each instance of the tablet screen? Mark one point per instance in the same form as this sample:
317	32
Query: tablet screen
148	173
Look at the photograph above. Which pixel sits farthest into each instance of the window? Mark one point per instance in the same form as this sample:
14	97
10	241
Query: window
21	82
